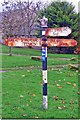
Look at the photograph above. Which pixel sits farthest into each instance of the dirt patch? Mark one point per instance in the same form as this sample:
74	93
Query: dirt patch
64	58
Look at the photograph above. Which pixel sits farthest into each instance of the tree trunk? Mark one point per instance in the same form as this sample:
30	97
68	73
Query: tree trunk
10	51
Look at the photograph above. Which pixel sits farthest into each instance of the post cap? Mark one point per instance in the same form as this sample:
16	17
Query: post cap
44	21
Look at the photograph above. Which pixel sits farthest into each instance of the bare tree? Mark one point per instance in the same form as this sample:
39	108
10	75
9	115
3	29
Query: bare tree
19	17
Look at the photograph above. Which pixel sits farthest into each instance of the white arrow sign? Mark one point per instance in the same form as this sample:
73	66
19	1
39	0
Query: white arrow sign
63	31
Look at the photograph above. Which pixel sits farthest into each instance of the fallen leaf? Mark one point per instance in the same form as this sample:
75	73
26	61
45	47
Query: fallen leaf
60	87
28	70
33	95
31	66
59	80
59	107
27	104
55	97
21	96
57	85
52	69
68	83
24	114
64	107
63	102
79	93
36	117
74	84
23	75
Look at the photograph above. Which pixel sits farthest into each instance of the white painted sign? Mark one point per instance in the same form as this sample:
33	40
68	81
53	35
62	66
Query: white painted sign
63	31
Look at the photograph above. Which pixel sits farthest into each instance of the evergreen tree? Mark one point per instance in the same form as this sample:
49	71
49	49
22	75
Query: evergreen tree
62	14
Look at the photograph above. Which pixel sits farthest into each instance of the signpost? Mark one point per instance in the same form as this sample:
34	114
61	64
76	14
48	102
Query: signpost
64	31
44	61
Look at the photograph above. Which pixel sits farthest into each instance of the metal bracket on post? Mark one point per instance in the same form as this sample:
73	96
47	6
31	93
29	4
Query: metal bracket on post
44	61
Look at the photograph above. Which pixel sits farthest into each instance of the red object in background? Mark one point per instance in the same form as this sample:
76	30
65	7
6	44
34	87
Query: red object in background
38	42
77	51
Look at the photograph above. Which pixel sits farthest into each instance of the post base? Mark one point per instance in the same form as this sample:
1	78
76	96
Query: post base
45	102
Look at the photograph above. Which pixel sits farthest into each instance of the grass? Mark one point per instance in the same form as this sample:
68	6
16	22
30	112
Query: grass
18	61
28	51
21	51
22	86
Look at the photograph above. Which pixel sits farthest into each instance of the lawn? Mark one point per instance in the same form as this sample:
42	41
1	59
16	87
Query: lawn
22	85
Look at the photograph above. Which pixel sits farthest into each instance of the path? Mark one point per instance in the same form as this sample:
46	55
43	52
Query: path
1	71
53	67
